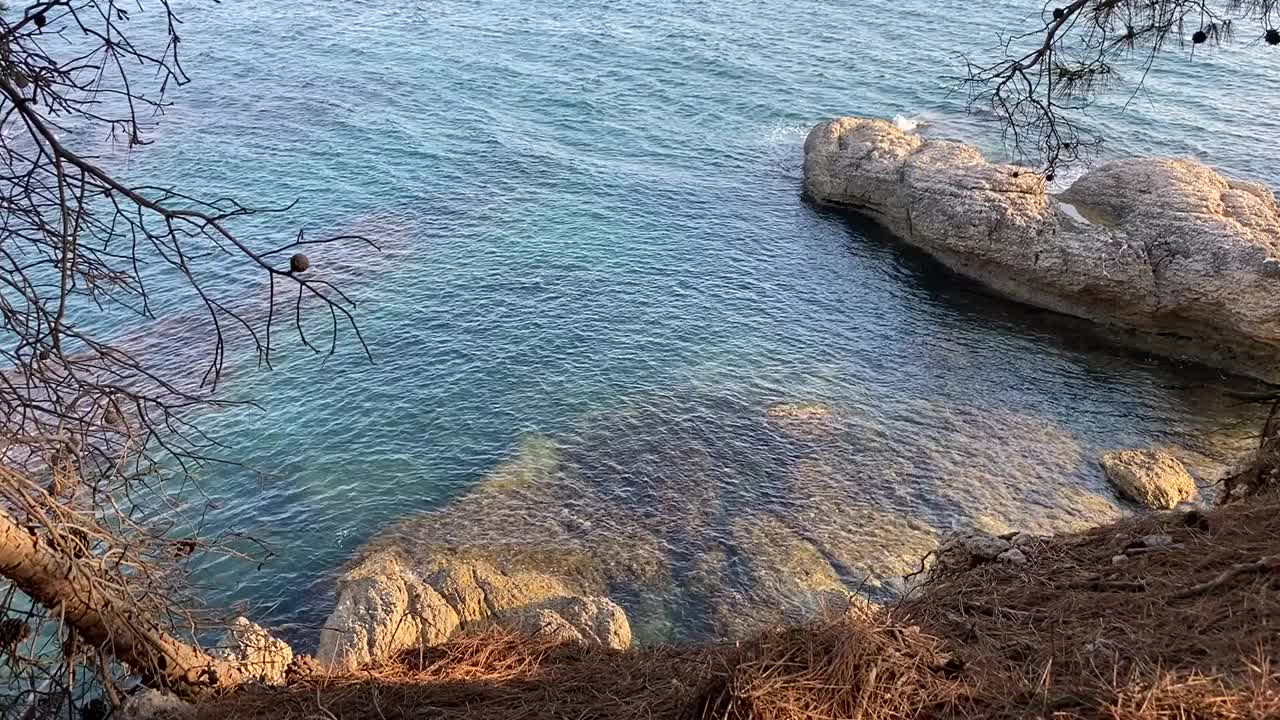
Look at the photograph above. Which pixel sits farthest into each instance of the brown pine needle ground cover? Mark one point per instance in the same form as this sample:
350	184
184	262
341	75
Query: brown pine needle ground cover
1182	628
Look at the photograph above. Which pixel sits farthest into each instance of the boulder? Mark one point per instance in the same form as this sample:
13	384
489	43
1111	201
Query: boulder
600	620
383	609
962	551
584	620
147	704
1167	247
388	604
1154	478
1012	556
260	654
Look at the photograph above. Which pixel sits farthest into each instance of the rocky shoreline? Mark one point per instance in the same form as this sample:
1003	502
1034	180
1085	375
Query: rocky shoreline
392	605
1169	249
438	575
1137	244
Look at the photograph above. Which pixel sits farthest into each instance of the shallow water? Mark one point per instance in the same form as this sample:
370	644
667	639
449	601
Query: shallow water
594	247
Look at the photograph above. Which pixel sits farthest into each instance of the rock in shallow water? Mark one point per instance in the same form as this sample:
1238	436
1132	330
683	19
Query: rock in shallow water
388	604
585	620
1154	478
1174	249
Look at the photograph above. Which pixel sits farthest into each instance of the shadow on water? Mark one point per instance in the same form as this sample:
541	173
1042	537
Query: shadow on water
1098	349
1090	368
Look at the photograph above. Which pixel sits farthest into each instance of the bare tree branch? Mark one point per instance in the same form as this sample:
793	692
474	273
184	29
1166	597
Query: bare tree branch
99	513
1043	83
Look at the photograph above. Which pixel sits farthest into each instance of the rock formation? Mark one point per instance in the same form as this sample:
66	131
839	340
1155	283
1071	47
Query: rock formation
1154	478
388	604
1167	247
262	655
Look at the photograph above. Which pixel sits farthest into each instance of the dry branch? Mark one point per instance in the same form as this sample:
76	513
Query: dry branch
1270	563
106	620
98	447
1045	79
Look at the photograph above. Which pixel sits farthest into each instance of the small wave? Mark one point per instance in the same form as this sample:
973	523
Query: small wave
787	134
1065	177
910	123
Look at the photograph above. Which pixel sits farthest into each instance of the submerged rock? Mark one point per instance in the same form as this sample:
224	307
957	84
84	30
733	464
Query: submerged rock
707	517
1164	246
772	576
1154	478
801	420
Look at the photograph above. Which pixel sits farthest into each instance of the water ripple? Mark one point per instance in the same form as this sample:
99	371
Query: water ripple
595	243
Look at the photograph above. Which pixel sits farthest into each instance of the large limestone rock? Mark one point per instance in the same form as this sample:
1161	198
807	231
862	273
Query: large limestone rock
260	654
1154	478
1164	246
389	604
383	609
584	620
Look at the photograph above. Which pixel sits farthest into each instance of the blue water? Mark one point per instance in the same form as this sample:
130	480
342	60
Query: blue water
593	236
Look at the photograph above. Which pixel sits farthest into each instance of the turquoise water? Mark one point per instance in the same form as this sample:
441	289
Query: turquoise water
593	237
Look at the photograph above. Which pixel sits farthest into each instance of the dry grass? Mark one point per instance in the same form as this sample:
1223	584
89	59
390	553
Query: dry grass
1181	632
862	666
1177	632
492	675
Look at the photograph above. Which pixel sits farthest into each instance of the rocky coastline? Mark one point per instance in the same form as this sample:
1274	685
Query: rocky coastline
1168	249
1182	258
1094	251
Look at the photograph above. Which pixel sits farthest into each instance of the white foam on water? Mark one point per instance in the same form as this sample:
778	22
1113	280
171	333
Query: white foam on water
1065	177
786	134
910	123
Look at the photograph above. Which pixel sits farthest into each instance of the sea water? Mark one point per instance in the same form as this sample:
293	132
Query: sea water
594	248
